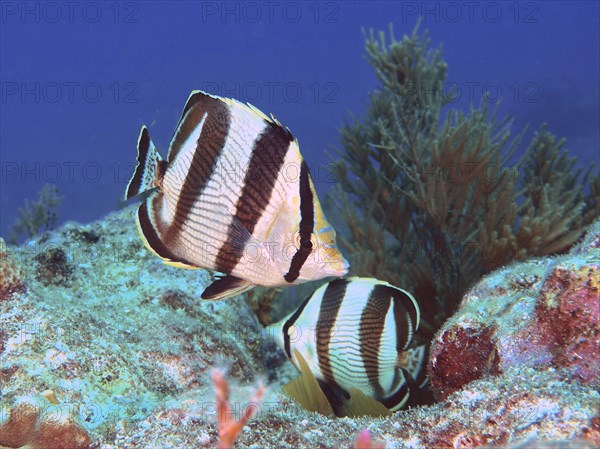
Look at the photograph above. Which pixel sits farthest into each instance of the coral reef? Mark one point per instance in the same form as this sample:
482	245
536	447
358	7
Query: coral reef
128	346
512	408
37	215
42	423
539	313
432	208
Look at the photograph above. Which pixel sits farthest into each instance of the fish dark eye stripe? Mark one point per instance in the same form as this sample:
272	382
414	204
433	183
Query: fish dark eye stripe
371	332
209	145
330	306
289	323
307	223
259	182
405	320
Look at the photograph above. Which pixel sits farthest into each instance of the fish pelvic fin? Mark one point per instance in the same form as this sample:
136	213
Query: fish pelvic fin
150	167
226	287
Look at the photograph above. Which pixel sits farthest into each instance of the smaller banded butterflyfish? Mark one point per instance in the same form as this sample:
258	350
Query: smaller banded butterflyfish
354	335
234	196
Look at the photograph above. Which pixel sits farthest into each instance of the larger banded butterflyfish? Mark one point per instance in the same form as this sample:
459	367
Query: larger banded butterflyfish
234	196
355	334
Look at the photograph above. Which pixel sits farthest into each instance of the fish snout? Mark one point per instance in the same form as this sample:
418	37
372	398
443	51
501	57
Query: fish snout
337	265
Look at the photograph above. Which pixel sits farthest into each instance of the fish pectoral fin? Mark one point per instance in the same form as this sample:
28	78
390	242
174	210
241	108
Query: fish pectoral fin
238	235
414	361
226	287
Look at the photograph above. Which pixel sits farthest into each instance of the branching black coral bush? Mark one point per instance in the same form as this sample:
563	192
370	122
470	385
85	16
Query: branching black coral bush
37	216
428	195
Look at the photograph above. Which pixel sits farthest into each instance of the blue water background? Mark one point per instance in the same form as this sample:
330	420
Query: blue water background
78	81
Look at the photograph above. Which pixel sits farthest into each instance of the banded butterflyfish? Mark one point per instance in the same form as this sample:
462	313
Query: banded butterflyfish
234	196
354	335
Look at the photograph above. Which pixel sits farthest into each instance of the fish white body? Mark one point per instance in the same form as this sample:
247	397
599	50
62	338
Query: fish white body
354	333
234	196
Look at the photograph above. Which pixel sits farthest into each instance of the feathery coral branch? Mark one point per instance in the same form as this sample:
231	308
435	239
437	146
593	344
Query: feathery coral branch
229	428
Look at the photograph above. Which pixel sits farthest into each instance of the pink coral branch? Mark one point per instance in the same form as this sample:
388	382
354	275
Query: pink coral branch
229	428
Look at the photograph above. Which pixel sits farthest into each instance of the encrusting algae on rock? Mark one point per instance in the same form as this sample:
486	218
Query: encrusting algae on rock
42	423
540	313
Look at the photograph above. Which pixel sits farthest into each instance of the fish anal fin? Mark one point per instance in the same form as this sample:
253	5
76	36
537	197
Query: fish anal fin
179	264
363	405
226	287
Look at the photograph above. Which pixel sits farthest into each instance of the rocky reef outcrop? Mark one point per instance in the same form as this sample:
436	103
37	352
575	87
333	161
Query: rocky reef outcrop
543	314
126	345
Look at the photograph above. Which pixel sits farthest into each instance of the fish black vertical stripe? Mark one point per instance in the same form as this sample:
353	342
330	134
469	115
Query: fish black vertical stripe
397	397
266	160
209	145
371	332
192	101
403	312
150	233
330	306
307	223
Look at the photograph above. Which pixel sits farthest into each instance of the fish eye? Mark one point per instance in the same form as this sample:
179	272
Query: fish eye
307	244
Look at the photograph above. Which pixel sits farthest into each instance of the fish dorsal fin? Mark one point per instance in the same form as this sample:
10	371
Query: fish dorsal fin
150	166
226	287
196	96
405	297
198	107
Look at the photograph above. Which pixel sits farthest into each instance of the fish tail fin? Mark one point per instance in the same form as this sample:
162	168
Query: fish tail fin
150	167
416	364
